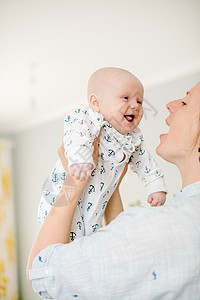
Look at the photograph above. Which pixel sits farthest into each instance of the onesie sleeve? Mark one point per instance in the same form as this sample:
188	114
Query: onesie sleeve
145	166
81	128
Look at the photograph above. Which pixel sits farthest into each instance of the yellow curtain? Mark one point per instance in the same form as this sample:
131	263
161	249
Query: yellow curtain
8	267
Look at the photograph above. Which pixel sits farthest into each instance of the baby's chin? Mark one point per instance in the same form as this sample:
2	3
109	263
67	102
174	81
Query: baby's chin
119	127
122	130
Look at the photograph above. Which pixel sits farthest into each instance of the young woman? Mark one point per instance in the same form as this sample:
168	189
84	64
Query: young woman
145	253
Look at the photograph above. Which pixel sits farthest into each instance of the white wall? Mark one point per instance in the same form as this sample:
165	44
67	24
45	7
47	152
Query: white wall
68	40
35	155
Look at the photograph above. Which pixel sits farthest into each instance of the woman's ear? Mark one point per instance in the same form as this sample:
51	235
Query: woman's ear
94	102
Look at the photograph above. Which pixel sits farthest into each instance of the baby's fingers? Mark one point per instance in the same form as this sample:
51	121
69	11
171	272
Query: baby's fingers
154	202
72	171
83	176
150	199
77	174
88	174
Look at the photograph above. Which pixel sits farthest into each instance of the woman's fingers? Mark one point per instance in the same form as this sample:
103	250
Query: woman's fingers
96	148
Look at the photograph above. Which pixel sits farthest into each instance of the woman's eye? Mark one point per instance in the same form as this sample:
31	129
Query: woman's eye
125	98
139	102
184	103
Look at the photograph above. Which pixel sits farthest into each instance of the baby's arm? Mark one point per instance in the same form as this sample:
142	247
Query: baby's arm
149	172
82	127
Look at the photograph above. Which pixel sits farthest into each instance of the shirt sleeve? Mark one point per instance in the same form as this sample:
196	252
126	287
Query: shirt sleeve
145	166
63	269
43	273
81	128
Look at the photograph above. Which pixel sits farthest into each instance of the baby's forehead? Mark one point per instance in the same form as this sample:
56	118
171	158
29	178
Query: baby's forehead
114	74
110	73
107	78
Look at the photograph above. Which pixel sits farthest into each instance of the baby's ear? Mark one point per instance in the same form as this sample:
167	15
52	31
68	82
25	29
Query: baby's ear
94	102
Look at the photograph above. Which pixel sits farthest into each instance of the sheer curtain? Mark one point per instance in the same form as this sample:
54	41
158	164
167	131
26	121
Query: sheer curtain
8	267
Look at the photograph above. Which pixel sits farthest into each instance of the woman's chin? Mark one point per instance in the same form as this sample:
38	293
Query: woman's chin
161	145
160	151
160	148
163	152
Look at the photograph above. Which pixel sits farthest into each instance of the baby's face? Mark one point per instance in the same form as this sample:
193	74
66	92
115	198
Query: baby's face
121	103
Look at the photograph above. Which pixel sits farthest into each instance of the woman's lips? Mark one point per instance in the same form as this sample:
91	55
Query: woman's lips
163	135
167	121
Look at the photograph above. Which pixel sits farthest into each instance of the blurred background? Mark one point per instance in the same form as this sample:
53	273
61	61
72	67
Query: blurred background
49	48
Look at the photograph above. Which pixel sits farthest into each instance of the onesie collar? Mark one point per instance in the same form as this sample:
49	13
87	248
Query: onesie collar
127	142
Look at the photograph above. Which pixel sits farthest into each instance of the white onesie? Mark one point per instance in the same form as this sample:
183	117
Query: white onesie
82	126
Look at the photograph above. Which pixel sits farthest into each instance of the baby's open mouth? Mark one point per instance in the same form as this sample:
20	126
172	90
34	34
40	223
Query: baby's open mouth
129	118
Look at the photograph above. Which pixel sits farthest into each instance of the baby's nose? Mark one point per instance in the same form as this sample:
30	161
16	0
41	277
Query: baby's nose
134	104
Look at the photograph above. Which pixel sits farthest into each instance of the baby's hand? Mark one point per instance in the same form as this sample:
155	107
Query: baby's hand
157	199
81	171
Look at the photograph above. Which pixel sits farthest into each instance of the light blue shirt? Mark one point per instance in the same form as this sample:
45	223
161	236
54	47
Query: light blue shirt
144	254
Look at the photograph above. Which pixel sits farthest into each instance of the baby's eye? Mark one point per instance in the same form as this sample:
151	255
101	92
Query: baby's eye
183	103
139	102
125	98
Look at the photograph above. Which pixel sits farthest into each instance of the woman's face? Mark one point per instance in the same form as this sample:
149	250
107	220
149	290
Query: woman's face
184	122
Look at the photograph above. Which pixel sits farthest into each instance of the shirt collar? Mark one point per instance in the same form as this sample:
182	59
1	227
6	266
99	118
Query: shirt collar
189	191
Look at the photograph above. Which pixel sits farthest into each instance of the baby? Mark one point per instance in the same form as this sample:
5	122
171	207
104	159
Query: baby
115	105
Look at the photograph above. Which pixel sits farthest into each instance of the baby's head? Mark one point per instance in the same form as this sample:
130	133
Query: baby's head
117	95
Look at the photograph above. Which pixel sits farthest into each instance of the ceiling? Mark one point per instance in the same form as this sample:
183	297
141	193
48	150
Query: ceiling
49	49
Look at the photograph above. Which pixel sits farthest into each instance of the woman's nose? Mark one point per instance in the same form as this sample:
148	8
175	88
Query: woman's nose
171	106
168	106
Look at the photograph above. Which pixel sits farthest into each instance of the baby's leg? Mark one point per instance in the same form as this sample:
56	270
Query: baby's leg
50	191
43	210
78	226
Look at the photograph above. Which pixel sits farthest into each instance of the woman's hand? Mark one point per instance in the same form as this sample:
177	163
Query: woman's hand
96	149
